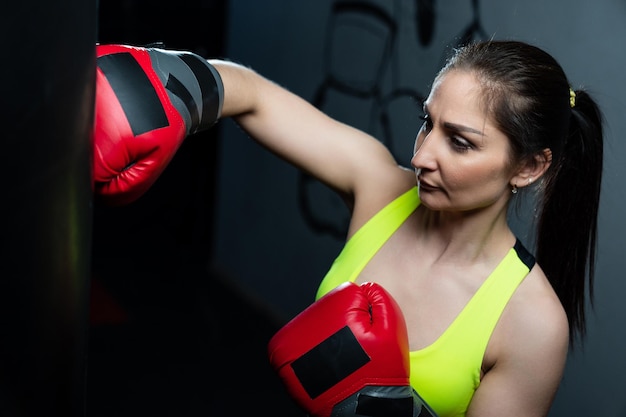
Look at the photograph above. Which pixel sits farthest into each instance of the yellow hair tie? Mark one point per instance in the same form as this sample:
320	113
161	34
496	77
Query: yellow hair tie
572	98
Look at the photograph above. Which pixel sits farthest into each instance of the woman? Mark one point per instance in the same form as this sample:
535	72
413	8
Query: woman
489	328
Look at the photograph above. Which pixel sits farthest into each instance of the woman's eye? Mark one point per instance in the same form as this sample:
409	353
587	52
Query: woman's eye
460	144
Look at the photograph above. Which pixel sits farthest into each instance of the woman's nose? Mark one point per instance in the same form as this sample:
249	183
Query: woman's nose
423	151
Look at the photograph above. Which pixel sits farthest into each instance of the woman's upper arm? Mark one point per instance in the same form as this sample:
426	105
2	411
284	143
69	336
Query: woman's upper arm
527	374
295	130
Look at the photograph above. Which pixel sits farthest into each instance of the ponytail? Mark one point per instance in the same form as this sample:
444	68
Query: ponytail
567	228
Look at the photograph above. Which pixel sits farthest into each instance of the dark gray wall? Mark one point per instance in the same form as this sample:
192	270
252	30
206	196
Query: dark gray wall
276	250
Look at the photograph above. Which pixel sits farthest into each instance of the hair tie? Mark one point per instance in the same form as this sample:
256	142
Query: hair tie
572	98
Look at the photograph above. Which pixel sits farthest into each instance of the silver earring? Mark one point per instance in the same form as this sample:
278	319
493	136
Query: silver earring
514	189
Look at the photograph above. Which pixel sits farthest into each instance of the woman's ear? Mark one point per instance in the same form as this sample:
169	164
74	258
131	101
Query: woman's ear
531	170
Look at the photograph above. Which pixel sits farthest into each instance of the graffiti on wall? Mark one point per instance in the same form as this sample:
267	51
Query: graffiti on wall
360	78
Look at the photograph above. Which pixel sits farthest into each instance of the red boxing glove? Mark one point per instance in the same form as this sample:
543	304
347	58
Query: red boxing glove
148	100
347	355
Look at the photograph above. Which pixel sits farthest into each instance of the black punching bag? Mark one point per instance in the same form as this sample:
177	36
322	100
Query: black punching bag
47	83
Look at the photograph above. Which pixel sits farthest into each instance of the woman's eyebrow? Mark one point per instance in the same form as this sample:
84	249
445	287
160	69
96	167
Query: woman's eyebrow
462	128
456	127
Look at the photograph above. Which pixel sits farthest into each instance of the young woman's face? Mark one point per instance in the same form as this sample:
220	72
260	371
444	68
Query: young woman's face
462	161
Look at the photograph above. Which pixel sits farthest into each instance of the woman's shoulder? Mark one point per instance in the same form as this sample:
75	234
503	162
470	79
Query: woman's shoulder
527	353
374	195
534	319
536	298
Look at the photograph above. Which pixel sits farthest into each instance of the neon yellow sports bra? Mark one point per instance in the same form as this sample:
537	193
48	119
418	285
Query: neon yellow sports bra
447	373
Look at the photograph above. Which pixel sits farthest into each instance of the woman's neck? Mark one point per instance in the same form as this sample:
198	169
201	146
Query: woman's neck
467	236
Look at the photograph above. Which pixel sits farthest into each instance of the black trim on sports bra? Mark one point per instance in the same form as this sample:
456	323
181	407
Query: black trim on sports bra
522	253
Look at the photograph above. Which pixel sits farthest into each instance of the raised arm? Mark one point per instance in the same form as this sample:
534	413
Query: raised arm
290	127
149	100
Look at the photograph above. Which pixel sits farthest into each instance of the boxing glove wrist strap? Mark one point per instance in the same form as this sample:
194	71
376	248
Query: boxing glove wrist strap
193	85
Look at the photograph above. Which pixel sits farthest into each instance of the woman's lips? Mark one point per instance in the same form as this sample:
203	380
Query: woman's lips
424	186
